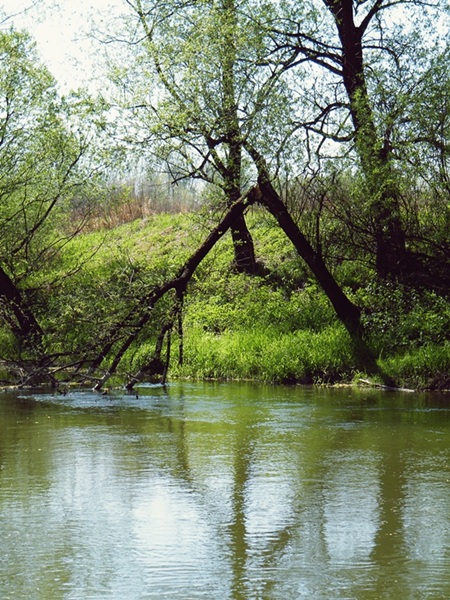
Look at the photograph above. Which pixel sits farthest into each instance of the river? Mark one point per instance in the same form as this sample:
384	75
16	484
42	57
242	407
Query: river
224	492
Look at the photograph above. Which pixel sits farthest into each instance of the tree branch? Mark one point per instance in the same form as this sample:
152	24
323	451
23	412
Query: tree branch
178	283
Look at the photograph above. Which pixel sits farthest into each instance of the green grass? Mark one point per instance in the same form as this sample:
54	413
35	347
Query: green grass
427	367
268	355
276	328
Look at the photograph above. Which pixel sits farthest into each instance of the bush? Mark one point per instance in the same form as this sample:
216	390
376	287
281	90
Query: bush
236	303
397	318
427	367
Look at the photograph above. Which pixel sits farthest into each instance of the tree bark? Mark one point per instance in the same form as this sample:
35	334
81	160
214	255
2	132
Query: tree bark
244	251
392	259
26	327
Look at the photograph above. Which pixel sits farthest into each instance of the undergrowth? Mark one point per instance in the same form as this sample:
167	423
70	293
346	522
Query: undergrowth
276	327
265	354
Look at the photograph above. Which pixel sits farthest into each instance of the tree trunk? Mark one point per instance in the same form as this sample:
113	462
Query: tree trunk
244	251
25	327
392	258
346	311
266	194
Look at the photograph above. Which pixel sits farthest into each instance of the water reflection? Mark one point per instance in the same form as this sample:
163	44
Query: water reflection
351	516
224	492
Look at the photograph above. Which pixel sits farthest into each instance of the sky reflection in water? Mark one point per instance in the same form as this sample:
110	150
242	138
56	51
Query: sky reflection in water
224	491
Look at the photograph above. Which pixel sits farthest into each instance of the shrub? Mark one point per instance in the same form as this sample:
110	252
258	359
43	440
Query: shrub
397	318
425	367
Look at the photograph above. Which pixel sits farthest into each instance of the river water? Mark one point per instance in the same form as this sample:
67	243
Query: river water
224	491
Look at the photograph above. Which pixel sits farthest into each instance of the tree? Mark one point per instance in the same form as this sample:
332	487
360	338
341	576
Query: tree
356	49
41	175
197	90
213	89
424	149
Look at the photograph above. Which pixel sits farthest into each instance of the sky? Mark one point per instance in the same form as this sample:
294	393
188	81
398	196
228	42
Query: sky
61	30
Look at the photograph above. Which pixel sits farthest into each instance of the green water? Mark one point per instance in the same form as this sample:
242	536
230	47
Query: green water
224	492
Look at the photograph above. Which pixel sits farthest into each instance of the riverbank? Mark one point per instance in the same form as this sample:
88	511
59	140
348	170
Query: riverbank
275	327
279	327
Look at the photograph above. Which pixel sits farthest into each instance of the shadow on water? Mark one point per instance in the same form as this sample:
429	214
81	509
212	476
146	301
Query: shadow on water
224	491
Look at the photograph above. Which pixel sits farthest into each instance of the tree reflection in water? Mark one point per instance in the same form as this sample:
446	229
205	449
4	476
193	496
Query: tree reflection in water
225	491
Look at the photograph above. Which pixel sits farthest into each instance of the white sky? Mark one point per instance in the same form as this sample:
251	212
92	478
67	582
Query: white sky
61	30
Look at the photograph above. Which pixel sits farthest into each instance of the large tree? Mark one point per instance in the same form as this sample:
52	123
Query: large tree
365	60
41	177
197	87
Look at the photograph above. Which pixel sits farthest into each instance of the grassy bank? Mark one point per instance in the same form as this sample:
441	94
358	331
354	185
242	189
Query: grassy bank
280	327
276	327
274	335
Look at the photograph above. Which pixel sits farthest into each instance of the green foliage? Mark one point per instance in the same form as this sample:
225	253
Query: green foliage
235	326
397	318
208	83
138	357
266	354
425	367
270	328
236	302
216	88
41	152
9	350
104	275
47	184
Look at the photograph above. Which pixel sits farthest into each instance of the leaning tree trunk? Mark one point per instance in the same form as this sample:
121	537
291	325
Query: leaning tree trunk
119	345
345	310
266	195
34	363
